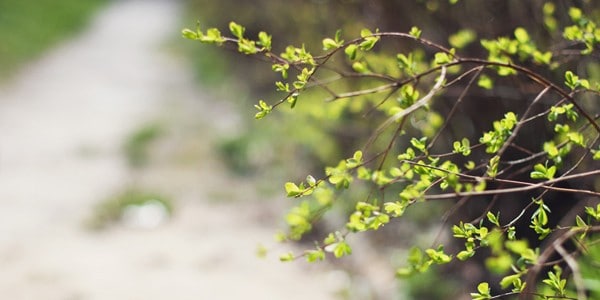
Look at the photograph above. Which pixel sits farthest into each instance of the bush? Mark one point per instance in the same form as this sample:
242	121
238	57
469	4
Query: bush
511	149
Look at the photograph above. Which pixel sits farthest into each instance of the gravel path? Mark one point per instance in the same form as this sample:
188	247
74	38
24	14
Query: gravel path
63	120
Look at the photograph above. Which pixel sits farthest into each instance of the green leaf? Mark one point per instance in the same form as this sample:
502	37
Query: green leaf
596	154
576	138
264	40
521	35
237	30
340	249
493	218
542	58
465	254
442	58
351	51
571	80
287	257
329	44
509	280
575	14
420	144
315	255
292	189
485	82
263	109
396	209
543	172
360	67
415	32
462	38
189	34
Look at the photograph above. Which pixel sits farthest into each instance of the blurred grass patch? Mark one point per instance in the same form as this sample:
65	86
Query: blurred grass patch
28	28
138	144
147	208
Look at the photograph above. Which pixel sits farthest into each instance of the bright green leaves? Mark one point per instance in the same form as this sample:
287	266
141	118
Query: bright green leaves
584	31
281	68
463	147
212	35
462	38
442	58
420	144
396	209
594	213
303	78
549	20
543	172
438	256
514	280
522	36
473	236
556	282
503	49
366	217
367	42
287	257
369	39
298	55
340	175
566	109
408	96
573	81
264	40
355	161
245	46
330	44
495	139
415	32
419	261
351	51
293	190
263	109
189	34
408	63
485	82
314	255
237	30
483	292
539	220
299	220
339	249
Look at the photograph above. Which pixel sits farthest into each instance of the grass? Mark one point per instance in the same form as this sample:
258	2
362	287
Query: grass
139	143
112	209
28	28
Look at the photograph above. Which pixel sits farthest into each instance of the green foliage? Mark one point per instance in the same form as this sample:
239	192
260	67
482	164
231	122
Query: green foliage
111	210
405	158
139	143
29	27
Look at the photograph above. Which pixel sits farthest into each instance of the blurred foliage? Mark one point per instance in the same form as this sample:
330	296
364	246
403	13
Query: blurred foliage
139	143
112	209
27	27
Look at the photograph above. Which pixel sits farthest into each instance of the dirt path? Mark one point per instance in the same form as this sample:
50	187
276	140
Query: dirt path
63	121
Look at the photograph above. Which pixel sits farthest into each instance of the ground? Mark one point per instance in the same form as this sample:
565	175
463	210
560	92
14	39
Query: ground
64	119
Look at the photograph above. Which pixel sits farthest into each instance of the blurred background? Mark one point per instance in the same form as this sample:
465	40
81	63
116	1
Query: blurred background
131	166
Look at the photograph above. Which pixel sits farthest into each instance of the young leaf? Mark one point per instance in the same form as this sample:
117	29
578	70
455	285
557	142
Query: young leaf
351	51
415	32
237	30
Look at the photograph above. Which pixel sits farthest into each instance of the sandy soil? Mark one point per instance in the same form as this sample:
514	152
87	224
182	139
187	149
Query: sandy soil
63	120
